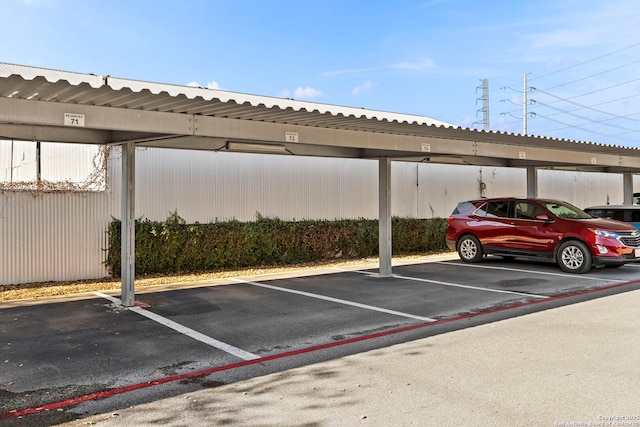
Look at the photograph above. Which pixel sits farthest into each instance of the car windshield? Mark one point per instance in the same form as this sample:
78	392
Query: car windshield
565	210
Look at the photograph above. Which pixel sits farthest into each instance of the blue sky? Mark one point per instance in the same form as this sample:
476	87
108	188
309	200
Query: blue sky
581	57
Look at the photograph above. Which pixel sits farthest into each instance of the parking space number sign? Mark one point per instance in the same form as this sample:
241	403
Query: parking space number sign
72	119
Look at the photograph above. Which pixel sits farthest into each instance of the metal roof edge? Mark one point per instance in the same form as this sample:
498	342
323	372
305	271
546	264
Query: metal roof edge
192	92
547	138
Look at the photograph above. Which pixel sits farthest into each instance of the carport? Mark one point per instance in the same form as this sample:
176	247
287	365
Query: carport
39	104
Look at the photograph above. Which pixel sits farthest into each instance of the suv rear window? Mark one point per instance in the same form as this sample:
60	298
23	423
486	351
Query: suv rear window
463	207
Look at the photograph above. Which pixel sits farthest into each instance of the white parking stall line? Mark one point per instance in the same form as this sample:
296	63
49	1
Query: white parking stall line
478	288
520	270
457	285
339	301
184	330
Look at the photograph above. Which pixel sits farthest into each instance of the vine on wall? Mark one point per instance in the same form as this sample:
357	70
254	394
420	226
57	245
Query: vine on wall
95	181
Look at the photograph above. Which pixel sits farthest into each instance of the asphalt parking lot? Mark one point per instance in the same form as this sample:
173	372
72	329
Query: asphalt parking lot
64	359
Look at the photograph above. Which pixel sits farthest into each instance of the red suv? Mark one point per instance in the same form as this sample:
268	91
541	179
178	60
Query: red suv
552	229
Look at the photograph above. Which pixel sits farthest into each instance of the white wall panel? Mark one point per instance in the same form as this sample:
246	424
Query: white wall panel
501	182
52	237
67	162
581	188
59	162
210	186
17	161
404	189
443	186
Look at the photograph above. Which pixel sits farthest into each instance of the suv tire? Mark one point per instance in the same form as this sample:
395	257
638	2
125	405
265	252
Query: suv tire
469	249
574	257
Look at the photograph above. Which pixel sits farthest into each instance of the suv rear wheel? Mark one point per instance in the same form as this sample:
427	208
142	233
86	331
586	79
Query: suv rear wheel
574	257
469	249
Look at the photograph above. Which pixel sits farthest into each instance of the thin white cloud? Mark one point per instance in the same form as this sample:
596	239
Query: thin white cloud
38	2
301	93
562	38
365	87
352	71
434	3
423	64
581	31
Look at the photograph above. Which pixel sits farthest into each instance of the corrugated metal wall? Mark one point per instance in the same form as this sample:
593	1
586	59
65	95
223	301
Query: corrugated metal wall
52	237
209	186
62	236
583	189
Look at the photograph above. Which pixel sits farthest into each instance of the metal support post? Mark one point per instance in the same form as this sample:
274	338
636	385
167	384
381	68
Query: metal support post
128	234
384	205
532	181
627	185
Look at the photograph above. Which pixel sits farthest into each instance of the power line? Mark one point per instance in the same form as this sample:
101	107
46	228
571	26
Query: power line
591	131
605	88
591	121
587	61
602	119
580	105
598	121
594	75
614	116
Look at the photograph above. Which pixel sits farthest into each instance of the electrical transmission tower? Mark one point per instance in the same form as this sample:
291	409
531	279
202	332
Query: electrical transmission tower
485	103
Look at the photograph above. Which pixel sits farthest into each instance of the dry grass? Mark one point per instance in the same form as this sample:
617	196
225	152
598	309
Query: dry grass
48	289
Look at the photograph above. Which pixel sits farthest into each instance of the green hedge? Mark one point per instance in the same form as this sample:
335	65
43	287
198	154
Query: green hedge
173	246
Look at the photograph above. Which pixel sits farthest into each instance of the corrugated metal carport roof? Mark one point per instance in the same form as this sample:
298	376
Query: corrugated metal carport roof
78	89
70	87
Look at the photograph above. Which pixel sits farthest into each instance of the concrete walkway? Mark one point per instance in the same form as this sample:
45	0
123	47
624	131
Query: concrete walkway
577	365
